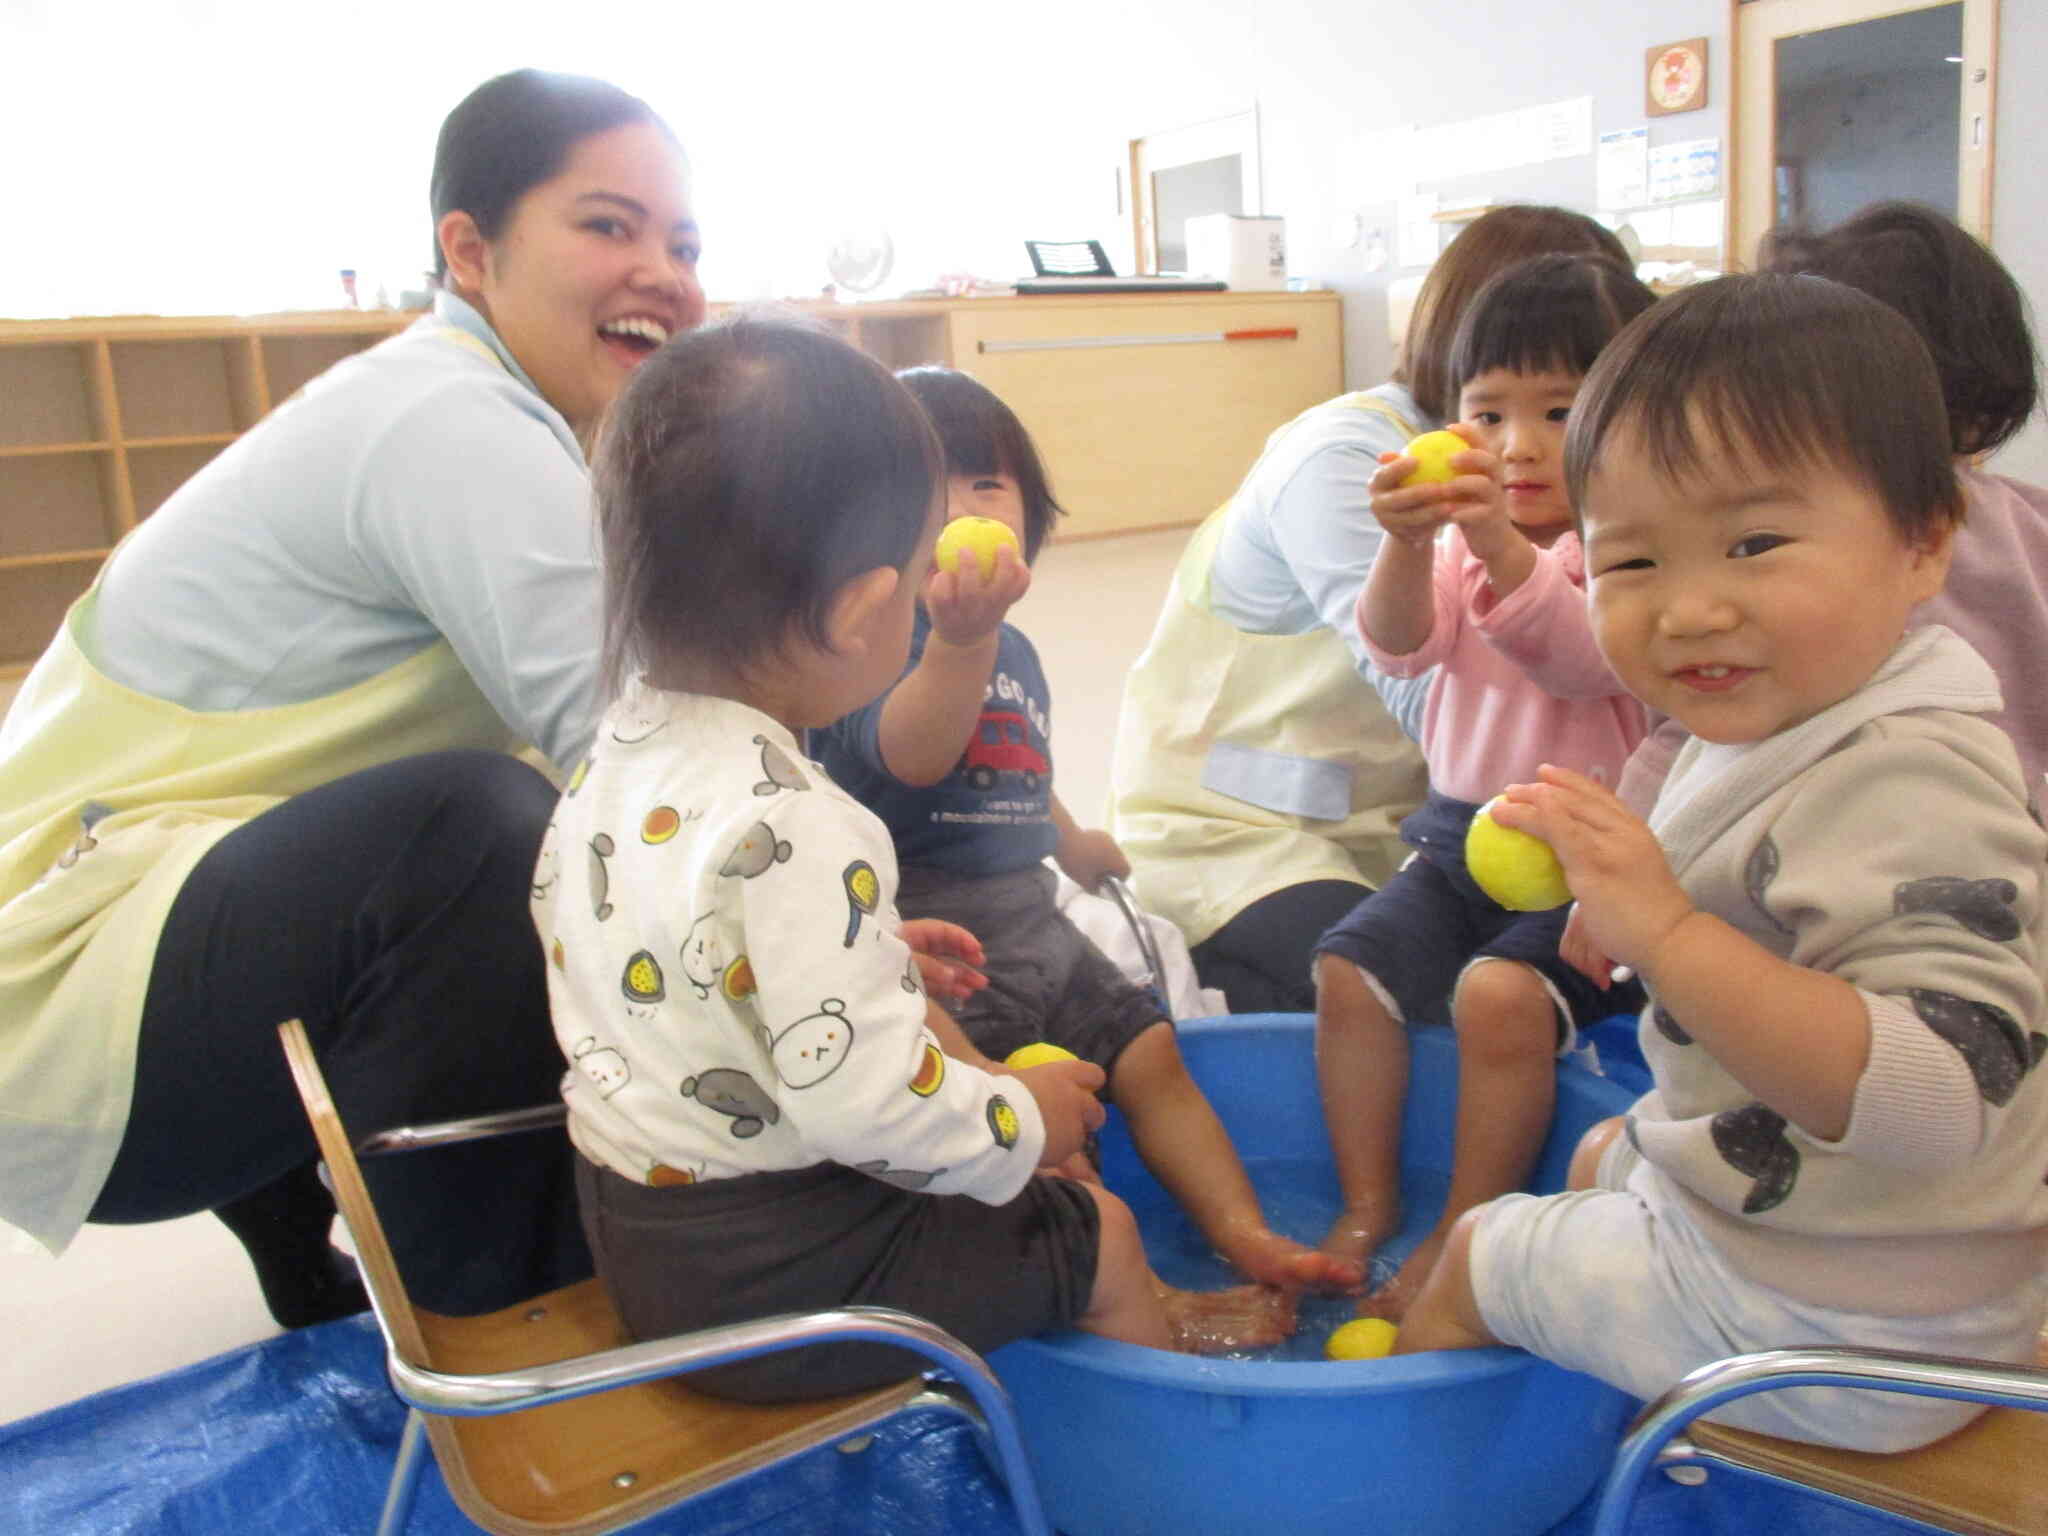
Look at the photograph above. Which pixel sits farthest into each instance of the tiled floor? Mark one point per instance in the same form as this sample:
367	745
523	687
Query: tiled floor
128	1302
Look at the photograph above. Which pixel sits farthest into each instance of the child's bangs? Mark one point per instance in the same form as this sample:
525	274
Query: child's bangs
1776	374
971	445
1745	415
1563	340
1548	315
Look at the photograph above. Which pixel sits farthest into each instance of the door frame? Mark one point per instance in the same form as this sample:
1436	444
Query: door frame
1755	25
1234	134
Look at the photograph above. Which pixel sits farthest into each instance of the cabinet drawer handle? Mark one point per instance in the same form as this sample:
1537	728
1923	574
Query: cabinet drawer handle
1271	333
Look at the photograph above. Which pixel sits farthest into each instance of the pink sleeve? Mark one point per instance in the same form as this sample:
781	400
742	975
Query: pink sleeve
1543	629
1447	616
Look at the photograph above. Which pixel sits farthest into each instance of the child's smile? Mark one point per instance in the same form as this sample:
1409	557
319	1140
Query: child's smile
1713	679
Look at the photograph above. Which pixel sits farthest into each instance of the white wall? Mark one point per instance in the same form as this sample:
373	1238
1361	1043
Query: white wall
2019	213
1332	83
207	138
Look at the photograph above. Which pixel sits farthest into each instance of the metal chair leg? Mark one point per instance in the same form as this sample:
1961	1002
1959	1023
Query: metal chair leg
405	1476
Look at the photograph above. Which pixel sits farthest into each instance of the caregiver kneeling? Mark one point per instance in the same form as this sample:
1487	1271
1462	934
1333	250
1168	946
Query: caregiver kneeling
265	769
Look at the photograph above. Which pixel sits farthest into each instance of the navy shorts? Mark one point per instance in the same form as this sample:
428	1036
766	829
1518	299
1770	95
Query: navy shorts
1046	979
1416	934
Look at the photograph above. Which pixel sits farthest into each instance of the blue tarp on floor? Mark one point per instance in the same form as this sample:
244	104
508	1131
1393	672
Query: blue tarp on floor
297	1434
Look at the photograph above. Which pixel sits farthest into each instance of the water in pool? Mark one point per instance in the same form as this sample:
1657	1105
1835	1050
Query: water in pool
1300	1200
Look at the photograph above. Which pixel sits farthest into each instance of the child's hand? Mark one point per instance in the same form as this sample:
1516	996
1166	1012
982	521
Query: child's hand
1628	899
1413	514
966	610
949	958
1481	508
1086	854
1582	954
1065	1091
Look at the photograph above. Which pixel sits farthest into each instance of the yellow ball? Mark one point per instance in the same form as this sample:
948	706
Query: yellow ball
983	535
1037	1054
1363	1338
1432	454
1516	870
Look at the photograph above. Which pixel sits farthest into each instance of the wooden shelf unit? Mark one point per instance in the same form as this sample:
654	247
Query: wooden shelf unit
1145	416
100	420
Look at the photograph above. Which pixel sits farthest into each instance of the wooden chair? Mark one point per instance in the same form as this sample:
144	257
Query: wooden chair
545	1419
1986	1479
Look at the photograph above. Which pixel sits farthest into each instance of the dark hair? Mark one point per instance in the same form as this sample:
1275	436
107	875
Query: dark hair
1959	297
1794	370
1549	314
982	436
749	470
512	133
1498	238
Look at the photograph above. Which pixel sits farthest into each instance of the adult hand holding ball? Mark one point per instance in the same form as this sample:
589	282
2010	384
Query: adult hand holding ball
1432	453
1516	870
981	536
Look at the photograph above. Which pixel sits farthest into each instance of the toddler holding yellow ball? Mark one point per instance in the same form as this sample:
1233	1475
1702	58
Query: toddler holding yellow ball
1480	583
957	760
1837	901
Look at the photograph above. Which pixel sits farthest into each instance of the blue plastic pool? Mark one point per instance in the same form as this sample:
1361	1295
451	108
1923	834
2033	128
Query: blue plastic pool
1131	1441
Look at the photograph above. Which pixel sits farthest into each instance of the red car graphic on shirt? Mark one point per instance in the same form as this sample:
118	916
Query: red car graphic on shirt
1001	744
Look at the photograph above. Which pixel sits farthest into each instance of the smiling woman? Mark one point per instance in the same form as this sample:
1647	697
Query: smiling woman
319	656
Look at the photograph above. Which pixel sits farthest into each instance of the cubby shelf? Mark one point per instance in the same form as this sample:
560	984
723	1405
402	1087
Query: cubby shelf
101	420
1145	414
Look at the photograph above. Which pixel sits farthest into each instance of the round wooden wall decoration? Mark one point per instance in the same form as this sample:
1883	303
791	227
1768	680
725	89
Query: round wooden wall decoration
1676	78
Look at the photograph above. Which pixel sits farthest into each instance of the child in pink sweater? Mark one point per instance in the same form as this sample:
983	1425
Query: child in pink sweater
1481	581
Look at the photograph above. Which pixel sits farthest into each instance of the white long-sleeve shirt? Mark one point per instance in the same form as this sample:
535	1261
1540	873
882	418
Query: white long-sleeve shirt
726	976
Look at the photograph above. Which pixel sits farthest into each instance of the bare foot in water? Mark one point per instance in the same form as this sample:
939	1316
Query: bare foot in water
1272	1259
1393	1299
1359	1230
1218	1322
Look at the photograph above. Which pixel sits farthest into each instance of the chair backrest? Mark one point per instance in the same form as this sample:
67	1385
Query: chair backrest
388	1298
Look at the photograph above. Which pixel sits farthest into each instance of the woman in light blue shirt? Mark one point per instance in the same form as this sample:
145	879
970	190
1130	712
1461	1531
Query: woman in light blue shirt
320	656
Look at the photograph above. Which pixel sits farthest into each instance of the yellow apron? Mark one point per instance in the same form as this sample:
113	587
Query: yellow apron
1286	718
108	797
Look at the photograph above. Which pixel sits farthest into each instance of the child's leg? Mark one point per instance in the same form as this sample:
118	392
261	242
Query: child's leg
1584	1172
1125	1302
1176	1132
1391	961
1507	1087
1445	1314
1131	1303
1362	1069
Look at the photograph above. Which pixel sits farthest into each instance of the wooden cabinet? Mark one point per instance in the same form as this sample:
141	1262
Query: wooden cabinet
1149	408
1146	415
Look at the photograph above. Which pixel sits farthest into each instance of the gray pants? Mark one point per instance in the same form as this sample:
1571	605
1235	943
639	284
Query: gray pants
731	1250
